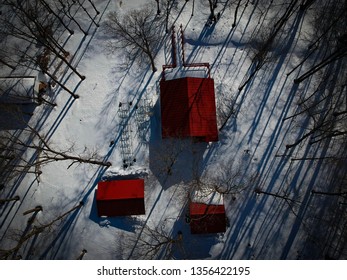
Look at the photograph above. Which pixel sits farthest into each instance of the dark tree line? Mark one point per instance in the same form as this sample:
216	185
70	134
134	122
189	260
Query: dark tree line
324	106
320	121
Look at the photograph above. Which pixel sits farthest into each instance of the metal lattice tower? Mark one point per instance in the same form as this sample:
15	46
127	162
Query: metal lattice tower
142	116
125	137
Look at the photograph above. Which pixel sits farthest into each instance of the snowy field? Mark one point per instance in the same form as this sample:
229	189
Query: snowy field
271	210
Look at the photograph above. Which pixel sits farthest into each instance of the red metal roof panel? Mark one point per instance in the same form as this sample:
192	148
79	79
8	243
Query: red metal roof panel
203	209
120	189
188	108
120	197
206	218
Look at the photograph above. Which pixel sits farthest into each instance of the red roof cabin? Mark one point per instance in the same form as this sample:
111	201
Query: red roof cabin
120	197
188	108
187	103
206	212
207	218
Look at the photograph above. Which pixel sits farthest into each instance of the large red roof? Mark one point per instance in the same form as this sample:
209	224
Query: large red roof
120	197
188	108
205	218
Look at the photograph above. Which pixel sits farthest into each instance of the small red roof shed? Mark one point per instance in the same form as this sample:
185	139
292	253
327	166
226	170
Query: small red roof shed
207	218
188	108
120	197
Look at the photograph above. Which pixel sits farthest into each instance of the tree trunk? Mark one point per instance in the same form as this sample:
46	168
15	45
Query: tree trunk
80	257
85	10
151	58
213	6
329	193
67	11
158	8
8	65
331	58
297	142
258	191
15	198
36	209
75	96
305	4
95	9
235	15
317	158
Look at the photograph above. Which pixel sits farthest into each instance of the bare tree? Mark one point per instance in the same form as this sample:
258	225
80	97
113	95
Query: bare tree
323	111
36	230
265	41
157	243
166	155
43	60
337	55
49	154
30	24
15	150
326	220
137	33
238	5
4	55
329	36
227	180
226	105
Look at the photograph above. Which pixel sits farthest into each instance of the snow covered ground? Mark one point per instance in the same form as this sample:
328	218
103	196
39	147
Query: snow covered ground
251	147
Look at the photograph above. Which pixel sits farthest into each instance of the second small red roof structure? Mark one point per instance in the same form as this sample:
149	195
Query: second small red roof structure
120	197
188	108
207	218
